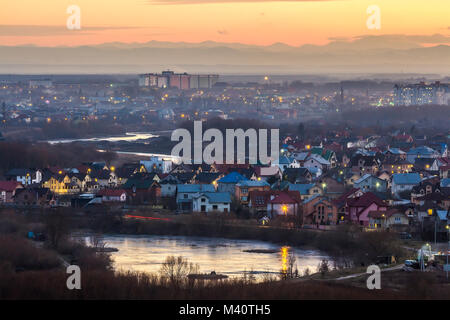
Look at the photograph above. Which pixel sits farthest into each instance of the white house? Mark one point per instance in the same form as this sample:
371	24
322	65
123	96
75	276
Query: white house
284	162
169	186
157	164
404	181
316	162
25	176
211	201
186	193
113	195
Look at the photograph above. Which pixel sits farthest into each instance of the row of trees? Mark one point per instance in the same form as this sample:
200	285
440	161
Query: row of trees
42	155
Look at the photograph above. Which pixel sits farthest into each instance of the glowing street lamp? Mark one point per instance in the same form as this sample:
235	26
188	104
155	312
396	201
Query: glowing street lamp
430	213
284	208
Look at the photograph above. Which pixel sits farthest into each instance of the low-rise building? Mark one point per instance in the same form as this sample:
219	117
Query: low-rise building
113	195
186	193
8	190
211	202
244	187
404	182
369	182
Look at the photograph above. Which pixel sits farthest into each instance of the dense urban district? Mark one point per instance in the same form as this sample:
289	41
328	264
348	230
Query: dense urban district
363	176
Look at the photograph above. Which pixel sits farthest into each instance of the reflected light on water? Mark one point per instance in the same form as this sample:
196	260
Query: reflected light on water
225	256
284	256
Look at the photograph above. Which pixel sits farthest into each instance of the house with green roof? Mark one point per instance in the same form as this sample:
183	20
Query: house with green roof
328	155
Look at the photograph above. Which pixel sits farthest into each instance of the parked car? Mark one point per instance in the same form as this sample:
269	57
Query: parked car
412	264
405	236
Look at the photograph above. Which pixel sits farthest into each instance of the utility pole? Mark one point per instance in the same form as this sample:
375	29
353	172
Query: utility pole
435	222
448	246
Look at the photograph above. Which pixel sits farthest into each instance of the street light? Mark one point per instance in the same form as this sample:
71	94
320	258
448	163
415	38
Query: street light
448	245
430	213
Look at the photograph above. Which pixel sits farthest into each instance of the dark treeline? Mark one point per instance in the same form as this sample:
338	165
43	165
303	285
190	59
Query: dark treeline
66	129
42	155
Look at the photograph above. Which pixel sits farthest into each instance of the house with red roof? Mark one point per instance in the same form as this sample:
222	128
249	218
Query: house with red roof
8	190
266	202
265	173
404	138
113	195
283	204
358	208
389	219
341	202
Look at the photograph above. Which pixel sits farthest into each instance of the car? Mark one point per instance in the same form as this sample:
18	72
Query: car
405	235
412	264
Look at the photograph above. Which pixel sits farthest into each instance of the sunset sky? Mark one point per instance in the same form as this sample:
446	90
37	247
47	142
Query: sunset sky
245	21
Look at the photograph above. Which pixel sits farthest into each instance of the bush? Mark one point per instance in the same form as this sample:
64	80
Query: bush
22	255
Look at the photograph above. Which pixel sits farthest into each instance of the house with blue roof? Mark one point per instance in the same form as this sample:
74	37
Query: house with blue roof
186	192
404	181
284	162
316	162
228	183
442	215
421	152
369	182
445	183
306	190
211	202
395	151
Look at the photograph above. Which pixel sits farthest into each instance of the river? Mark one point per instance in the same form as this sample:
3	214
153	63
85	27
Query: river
129	136
224	256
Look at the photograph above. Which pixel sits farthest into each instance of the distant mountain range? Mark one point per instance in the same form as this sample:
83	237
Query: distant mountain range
368	54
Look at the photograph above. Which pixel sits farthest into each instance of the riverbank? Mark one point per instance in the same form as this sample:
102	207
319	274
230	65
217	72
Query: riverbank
347	245
35	272
234	258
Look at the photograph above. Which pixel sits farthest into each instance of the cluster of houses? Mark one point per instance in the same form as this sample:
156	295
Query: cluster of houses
369	182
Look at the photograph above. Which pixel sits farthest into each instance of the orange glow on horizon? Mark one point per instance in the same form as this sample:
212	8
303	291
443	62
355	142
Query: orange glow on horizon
258	22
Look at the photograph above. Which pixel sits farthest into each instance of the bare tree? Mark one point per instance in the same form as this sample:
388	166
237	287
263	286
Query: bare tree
323	267
97	241
57	228
176	269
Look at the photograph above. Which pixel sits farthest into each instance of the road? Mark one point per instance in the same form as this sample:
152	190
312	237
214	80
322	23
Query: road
355	275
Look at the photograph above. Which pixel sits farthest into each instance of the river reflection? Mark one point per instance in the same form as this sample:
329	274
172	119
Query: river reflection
129	136
225	256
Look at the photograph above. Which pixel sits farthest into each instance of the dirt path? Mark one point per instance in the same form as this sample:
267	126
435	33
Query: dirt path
355	275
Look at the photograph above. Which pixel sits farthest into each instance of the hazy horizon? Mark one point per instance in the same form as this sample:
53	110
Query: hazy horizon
385	54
